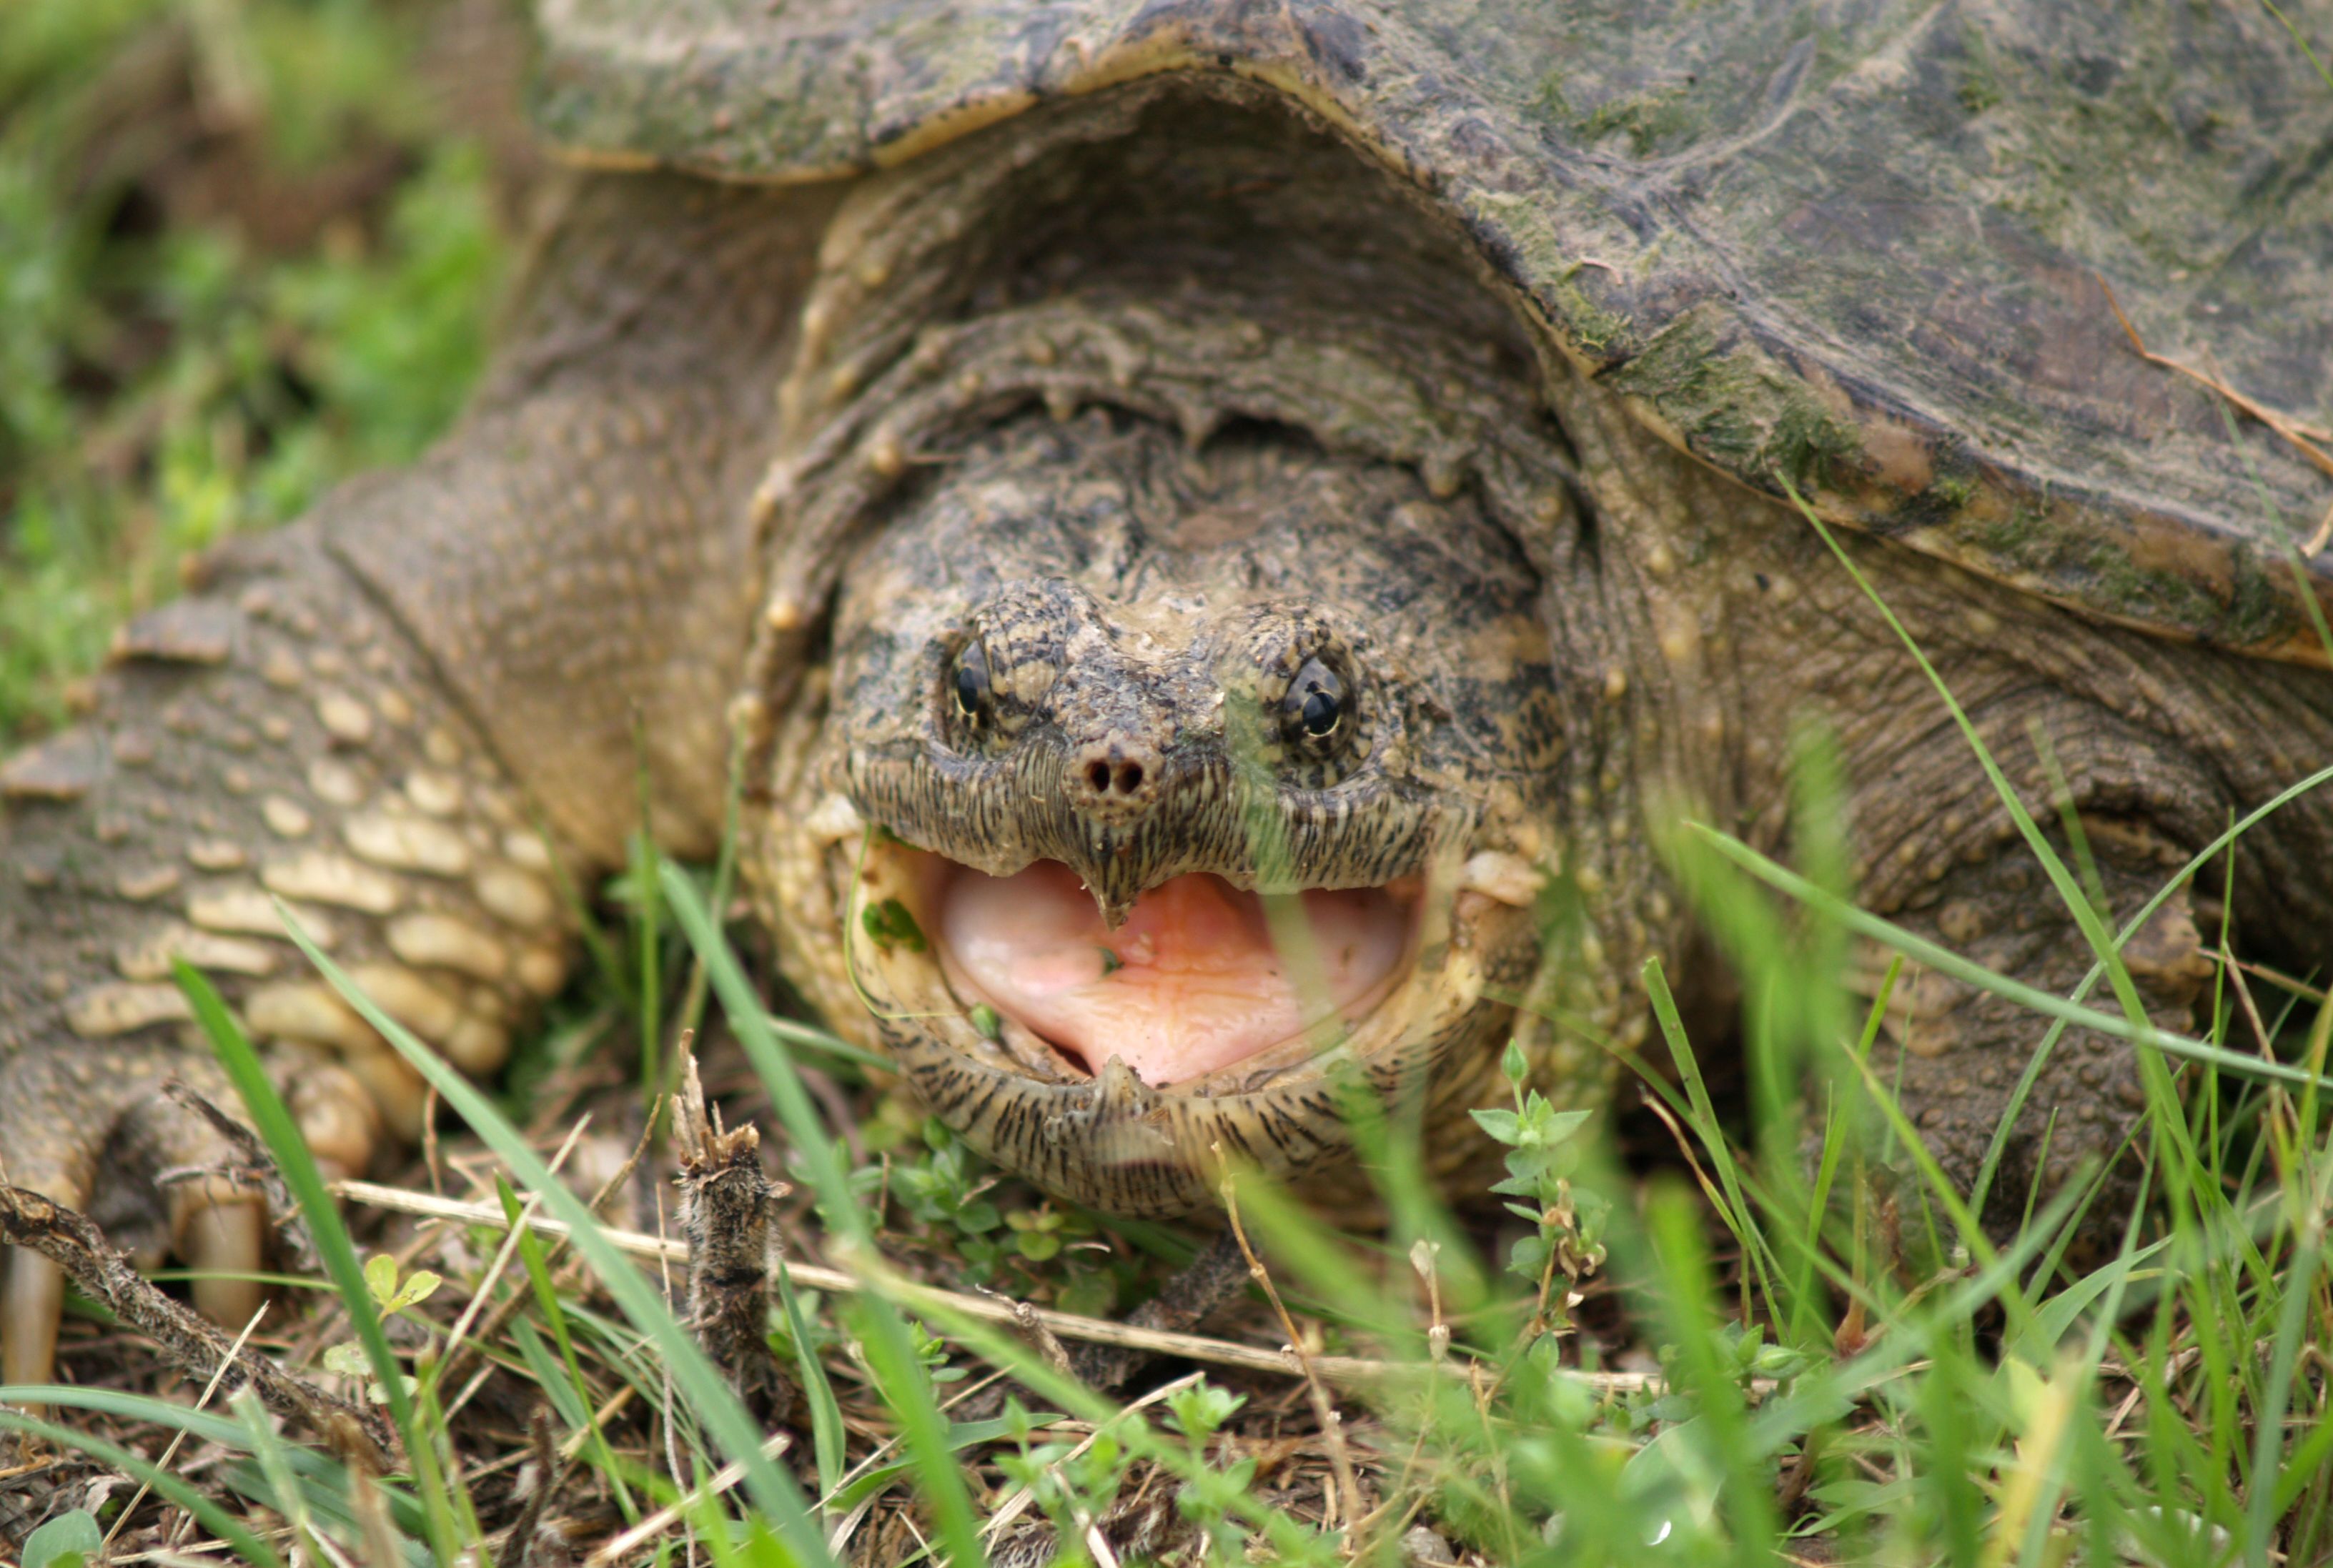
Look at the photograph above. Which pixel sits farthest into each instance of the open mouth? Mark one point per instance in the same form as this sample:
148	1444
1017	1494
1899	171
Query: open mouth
1202	976
1119	1067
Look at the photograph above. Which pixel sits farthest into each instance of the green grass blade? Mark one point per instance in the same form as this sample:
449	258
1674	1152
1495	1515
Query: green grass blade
2135	923
1944	959
2299	1286
772	1489
212	1518
546	1298
826	1430
1681	1259
890	1353
1735	1212
2070	891
273	1454
324	1478
338	1253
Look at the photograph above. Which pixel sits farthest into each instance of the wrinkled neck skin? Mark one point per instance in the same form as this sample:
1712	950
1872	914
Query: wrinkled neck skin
1211	719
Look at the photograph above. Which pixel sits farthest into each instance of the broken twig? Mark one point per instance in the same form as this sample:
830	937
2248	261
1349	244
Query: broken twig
73	1242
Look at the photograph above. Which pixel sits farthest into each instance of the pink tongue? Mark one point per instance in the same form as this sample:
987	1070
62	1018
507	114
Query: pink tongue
1190	983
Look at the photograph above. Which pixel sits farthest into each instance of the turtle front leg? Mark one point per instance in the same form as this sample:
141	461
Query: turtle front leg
275	737
383	716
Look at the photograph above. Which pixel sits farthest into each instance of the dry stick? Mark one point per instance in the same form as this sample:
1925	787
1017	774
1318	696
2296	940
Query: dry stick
547	1467
1337	1369
2284	424
727	1201
1333	1424
73	1242
1047	1343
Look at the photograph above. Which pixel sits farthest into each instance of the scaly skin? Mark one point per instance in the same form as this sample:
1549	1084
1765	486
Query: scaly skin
395	714
372	713
1141	611
1693	629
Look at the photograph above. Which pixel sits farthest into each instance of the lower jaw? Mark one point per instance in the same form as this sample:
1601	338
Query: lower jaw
1109	1141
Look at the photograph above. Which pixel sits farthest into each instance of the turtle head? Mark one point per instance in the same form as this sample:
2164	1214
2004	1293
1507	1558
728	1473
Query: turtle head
1164	787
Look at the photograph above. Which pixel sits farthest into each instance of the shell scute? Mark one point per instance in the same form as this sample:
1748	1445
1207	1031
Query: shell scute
1861	250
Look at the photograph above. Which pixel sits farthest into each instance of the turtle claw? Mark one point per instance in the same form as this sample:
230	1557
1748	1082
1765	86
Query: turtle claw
107	1139
215	1228
31	1308
225	1240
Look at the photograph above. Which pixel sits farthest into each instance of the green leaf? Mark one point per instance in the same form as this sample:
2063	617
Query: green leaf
67	1540
888	924
1506	1126
418	1287
1201	1409
381	1278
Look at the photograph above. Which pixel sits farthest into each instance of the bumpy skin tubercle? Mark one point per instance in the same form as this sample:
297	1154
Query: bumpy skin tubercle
393	716
1697	633
1133	599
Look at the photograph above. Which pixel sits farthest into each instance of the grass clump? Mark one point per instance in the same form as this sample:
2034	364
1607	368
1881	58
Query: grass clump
1711	1364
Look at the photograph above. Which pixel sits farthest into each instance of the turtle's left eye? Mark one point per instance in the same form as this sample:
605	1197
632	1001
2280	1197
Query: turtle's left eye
1314	706
971	684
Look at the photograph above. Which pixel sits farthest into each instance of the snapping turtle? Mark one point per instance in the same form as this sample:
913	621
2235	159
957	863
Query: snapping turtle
1208	523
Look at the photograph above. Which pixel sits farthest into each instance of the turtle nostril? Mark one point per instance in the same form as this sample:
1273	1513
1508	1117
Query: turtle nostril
1114	777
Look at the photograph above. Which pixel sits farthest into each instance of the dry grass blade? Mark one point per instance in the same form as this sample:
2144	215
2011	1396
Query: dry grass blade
616	1548
1332	1422
1336	1369
462	1341
178	1440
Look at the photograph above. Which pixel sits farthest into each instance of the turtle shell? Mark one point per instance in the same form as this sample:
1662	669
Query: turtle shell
1873	252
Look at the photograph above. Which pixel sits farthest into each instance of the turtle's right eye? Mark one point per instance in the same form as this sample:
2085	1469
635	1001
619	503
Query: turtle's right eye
973	692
